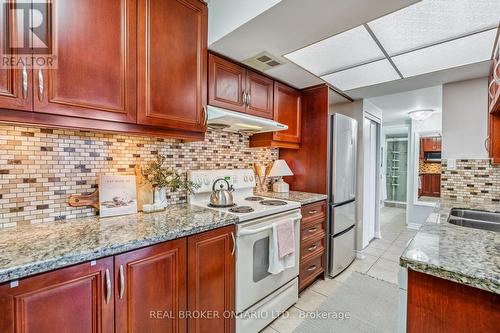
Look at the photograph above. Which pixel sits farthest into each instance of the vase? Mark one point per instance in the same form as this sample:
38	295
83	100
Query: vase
160	196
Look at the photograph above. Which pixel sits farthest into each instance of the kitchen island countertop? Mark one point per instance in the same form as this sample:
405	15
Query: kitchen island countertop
460	254
35	248
303	197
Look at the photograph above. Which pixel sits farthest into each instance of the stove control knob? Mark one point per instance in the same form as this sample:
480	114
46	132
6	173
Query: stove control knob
198	181
206	181
245	179
251	178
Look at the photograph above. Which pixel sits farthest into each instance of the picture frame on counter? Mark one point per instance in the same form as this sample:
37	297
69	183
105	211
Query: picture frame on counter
117	195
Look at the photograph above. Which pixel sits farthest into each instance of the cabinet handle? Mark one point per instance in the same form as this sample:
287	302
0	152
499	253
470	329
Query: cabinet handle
244	98
312	248
495	75
205	115
487	144
108	286
122	282
311	230
312	268
234	244
489	89
314	211
249	99
40	85
25	82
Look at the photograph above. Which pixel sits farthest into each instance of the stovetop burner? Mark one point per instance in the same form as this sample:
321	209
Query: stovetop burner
254	199
221	206
273	203
241	209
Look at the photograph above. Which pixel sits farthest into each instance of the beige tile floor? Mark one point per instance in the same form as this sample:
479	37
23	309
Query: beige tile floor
381	260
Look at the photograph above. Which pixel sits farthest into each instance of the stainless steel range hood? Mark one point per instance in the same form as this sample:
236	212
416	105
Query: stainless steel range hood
231	121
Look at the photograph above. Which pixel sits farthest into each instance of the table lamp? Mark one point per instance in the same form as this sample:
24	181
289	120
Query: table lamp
280	169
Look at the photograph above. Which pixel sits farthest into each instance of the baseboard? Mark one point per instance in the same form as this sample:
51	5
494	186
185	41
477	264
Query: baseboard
413	226
359	254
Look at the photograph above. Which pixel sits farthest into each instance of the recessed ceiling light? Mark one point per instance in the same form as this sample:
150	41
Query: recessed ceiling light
346	49
420	115
431	21
364	75
458	52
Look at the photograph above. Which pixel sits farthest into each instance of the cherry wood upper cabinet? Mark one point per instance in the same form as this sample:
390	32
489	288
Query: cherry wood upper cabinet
226	84
151	280
15	84
287	110
172	58
95	43
71	299
259	98
211	279
238	89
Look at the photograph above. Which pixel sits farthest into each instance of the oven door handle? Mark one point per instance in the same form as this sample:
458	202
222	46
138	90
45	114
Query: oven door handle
246	232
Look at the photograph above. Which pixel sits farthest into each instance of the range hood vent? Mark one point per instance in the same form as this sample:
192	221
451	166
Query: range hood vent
263	61
237	122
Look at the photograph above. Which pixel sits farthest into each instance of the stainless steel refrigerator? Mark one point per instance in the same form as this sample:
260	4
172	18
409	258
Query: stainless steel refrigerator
342	192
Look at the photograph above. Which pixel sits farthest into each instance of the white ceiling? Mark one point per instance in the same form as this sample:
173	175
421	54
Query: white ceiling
395	107
292	24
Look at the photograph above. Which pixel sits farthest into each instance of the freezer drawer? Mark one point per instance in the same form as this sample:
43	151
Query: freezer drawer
342	217
341	251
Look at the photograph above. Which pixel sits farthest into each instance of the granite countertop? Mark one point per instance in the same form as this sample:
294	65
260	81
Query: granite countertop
303	197
464	255
37	248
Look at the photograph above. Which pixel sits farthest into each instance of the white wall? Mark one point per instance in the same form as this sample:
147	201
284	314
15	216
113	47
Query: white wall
225	16
465	119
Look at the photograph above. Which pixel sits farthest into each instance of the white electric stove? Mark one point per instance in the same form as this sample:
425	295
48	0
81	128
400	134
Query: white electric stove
260	295
247	206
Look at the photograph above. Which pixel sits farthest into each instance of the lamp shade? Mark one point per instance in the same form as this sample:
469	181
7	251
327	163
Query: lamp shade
280	169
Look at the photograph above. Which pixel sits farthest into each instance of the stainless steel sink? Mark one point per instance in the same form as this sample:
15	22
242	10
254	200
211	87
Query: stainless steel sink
475	219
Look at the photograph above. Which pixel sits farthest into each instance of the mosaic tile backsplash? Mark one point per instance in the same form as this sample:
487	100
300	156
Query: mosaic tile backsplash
473	180
40	168
426	167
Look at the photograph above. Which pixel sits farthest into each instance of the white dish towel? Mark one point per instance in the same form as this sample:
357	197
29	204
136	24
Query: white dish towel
277	264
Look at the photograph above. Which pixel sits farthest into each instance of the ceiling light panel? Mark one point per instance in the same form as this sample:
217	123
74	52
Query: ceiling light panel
431	21
362	76
458	52
346	49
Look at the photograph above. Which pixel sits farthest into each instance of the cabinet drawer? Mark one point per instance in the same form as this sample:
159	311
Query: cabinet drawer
314	211
312	230
310	269
312	247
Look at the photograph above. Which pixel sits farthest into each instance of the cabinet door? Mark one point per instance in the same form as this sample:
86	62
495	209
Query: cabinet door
15	84
427	143
436	185
66	300
226	84
151	288
172	57
438	144
260	90
95	44
287	110
211	279
426	185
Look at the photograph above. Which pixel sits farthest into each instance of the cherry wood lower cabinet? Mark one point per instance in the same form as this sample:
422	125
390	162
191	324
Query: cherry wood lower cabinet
150	290
71	299
211	280
442	306
163	288
431	185
312	243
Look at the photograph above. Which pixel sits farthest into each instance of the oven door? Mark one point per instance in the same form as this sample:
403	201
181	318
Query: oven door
253	281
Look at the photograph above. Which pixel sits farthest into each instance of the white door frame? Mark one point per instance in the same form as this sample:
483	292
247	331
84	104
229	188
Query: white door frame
378	170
